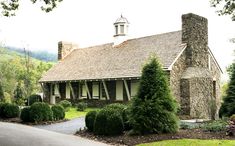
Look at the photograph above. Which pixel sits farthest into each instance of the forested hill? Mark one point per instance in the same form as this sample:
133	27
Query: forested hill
40	55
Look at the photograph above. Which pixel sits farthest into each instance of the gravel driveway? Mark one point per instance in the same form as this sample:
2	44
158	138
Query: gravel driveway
68	127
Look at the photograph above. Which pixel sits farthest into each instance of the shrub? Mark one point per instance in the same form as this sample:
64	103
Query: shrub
40	111
153	110
58	112
232	118
228	106
10	110
34	98
24	116
1	109
215	126
90	120
123	110
231	127
108	122
66	104
81	106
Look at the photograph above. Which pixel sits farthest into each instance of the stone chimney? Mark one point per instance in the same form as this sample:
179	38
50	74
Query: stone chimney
64	49
195	34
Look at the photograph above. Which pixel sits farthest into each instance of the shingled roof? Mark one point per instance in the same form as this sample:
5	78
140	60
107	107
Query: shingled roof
123	61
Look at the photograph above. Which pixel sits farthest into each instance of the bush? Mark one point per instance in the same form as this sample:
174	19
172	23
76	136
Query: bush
232	118
81	106
1	109
58	112
123	110
90	120
24	116
215	126
108	122
39	112
66	104
153	110
10	110
34	98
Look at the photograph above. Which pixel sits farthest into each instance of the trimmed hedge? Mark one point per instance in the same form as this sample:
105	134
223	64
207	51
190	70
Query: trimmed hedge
90	120
9	110
34	98
40	111
108	122
24	116
58	112
66	104
81	106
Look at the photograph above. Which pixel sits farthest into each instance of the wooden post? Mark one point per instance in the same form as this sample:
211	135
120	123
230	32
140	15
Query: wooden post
100	85
43	91
71	88
87	90
127	90
79	90
105	89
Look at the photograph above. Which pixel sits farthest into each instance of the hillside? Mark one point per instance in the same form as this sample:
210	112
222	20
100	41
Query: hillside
40	55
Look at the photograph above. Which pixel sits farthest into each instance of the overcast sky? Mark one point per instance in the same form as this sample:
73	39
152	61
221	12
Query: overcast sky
90	22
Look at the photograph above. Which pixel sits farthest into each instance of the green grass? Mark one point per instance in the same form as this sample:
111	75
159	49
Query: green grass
73	113
191	142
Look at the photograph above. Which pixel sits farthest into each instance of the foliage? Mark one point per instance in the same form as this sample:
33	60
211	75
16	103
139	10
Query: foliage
40	111
81	106
19	94
34	98
24	115
66	104
191	142
1	92
108	122
227	7
90	120
9	7
228	106
58	112
215	126
13	70
153	110
10	110
123	110
231	127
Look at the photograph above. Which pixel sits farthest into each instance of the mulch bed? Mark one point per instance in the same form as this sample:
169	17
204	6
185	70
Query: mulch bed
125	139
18	120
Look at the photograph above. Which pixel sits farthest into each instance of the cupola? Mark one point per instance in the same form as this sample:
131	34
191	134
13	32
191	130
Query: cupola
121	30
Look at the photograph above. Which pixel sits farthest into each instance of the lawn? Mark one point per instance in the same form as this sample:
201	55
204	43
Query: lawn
191	142
73	113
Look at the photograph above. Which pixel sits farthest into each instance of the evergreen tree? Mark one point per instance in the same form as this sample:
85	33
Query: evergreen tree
153	110
228	105
1	92
19	94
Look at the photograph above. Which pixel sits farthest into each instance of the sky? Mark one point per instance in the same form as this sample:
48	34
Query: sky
90	22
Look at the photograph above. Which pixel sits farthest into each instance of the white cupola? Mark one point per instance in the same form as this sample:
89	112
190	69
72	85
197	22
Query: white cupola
121	30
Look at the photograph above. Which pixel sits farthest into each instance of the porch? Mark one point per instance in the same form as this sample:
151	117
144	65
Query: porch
112	90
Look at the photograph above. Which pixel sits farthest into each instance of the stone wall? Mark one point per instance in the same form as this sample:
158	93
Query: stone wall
65	48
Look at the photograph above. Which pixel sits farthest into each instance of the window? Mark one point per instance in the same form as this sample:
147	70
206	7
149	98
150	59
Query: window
116	29
122	29
84	93
95	89
134	87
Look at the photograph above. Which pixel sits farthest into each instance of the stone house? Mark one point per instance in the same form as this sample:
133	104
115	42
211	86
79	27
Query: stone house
111	71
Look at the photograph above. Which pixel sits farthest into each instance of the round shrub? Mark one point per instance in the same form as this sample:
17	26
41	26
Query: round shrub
10	110
58	112
39	112
108	122
34	98
66	104
90	119
24	116
81	106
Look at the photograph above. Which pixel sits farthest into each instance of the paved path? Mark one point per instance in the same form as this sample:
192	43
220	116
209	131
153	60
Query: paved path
21	135
68	127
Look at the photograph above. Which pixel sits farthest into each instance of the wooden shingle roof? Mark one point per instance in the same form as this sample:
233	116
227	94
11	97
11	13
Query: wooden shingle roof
122	61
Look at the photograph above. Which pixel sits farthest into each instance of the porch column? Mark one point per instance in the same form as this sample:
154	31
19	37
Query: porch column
72	91
67	91
52	97
79	90
127	90
87	90
105	89
43	91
